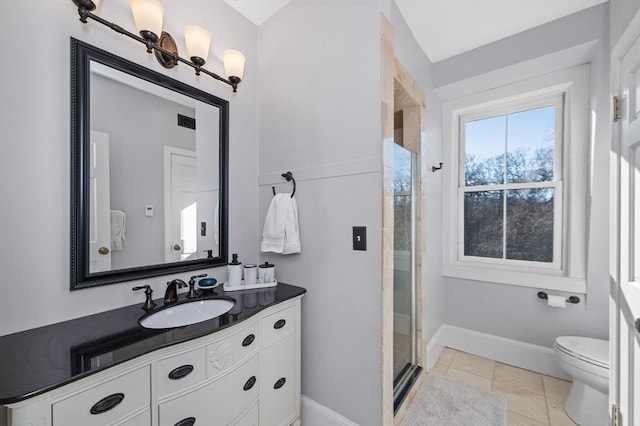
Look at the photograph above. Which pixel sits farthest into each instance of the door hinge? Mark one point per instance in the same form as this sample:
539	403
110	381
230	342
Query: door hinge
615	415
617	112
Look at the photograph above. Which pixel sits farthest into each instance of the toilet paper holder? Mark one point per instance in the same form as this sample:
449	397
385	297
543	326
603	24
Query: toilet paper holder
572	299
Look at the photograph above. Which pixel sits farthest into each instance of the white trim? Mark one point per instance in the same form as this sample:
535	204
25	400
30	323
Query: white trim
563	59
343	168
508	351
434	348
628	37
574	83
314	414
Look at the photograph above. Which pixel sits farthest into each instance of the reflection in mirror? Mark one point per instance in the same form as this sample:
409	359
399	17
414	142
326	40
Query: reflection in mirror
149	181
151	201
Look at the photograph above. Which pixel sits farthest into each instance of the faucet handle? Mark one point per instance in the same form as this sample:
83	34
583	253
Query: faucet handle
148	291
192	280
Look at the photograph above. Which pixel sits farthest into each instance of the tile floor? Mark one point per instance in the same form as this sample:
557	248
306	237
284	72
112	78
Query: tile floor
533	399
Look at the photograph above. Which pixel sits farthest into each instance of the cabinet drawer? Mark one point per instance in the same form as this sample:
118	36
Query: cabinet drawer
278	324
142	419
280	382
219	402
251	418
181	371
245	343
110	401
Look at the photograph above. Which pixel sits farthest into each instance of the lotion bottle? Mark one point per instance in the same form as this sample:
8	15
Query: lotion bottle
234	272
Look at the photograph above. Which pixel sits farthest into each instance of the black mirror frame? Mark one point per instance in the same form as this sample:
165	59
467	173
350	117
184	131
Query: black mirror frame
81	55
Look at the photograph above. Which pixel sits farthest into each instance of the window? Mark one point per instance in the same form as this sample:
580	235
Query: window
515	194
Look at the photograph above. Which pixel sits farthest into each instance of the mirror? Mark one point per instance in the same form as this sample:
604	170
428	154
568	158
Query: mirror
149	172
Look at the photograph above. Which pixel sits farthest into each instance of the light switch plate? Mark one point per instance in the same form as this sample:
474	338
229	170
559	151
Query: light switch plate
360	238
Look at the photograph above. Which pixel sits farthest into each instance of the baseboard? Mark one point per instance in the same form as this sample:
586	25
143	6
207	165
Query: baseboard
513	352
434	348
314	414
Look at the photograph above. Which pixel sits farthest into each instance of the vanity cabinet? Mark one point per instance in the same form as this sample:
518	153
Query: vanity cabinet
247	374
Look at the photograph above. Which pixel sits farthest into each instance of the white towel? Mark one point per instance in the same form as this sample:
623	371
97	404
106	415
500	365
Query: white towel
118	223
281	233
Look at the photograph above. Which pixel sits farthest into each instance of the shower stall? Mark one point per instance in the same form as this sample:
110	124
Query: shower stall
405	367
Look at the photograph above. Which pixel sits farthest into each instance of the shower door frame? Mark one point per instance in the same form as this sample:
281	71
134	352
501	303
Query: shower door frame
409	375
412	100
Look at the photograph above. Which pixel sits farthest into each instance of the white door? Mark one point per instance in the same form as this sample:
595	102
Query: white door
181	222
99	204
625	230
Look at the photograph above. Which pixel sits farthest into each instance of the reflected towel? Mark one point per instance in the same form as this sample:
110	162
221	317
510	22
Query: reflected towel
118	223
281	233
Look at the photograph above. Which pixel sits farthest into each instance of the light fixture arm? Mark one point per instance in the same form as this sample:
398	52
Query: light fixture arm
84	10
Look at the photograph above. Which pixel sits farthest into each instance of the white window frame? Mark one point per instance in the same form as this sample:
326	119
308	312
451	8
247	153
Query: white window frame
567	272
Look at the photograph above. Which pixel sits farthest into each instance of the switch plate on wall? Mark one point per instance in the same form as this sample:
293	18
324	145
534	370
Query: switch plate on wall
360	238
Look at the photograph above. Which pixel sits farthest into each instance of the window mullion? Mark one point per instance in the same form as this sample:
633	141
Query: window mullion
504	191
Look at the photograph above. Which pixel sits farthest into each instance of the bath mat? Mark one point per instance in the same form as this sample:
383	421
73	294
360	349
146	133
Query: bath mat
442	401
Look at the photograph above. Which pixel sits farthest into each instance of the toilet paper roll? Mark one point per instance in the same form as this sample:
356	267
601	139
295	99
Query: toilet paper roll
556	301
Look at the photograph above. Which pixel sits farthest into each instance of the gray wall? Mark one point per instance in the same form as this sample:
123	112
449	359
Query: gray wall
320	118
621	14
516	312
414	60
34	165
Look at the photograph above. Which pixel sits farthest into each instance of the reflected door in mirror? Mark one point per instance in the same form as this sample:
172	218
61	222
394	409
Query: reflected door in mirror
99	226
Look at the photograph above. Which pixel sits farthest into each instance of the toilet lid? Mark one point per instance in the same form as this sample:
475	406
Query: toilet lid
594	351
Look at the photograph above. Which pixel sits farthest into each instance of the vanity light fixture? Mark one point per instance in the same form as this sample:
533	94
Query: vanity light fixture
148	15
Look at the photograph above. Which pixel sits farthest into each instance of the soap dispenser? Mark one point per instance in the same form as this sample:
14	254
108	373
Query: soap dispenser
234	272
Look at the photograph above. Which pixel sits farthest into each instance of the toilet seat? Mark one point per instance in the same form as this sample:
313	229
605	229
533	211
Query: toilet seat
591	351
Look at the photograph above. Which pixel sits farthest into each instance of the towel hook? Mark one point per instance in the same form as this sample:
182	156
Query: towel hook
289	177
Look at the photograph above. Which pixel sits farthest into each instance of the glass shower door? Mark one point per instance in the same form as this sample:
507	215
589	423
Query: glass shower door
404	265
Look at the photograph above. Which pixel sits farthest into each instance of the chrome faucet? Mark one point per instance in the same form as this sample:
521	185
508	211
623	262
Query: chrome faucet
171	293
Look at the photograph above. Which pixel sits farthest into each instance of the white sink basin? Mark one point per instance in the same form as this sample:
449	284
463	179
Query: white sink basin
187	313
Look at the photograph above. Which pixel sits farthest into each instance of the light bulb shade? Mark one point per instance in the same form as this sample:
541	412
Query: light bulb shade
87	4
233	63
147	15
197	40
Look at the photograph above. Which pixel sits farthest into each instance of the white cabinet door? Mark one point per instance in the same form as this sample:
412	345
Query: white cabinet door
279	395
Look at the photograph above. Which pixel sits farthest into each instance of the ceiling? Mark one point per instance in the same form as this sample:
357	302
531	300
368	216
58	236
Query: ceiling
445	28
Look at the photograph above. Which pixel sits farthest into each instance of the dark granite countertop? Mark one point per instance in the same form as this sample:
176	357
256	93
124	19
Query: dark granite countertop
38	360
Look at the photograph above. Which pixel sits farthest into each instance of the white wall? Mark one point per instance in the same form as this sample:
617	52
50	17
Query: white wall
320	117
34	165
621	13
516	312
414	60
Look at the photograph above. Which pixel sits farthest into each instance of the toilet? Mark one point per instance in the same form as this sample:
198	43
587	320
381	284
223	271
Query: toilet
587	361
